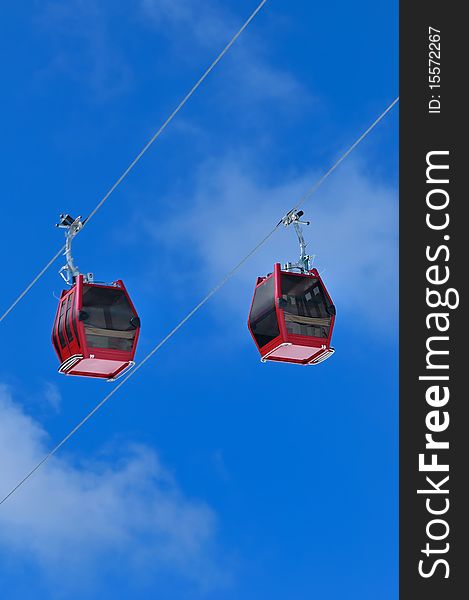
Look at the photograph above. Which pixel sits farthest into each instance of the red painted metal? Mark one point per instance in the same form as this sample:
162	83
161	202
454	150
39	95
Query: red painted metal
291	347
69	337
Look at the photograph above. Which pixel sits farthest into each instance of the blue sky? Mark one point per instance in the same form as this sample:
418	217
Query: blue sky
209	475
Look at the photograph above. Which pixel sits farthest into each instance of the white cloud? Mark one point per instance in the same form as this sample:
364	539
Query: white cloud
353	231
127	512
85	49
249	75
207	22
52	396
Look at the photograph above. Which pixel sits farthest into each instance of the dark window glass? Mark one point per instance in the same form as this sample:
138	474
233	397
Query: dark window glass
68	319
55	342
263	318
63	343
108	318
74	319
305	305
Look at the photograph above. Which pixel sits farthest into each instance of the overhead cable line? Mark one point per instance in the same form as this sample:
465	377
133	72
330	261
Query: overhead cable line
319	182
147	146
204	300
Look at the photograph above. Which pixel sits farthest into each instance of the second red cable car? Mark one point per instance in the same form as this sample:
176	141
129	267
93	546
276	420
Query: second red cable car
292	315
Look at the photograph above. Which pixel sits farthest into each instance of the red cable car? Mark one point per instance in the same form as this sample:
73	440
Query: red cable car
292	315
95	330
96	326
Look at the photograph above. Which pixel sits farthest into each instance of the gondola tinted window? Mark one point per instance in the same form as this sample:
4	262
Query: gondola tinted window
263	317
63	343
307	309
108	318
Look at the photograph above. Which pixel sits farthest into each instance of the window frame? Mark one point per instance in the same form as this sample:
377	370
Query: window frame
273	310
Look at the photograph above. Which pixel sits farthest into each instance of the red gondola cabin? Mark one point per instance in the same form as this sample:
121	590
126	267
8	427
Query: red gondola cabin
292	317
95	330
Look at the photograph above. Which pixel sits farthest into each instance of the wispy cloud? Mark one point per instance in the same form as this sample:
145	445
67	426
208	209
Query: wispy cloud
251	77
353	231
121	516
52	396
207	22
85	48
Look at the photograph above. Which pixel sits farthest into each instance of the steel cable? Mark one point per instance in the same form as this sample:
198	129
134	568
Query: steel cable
205	299
147	146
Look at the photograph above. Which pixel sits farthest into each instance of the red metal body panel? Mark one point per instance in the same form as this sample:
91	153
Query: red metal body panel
70	343
289	347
